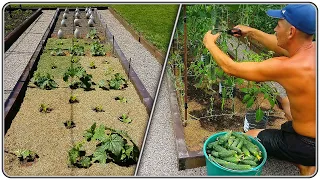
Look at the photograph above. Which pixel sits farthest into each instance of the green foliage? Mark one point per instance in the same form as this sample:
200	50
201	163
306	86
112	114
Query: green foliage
124	118
45	81
77	50
97	49
26	155
92	65
79	77
44	108
121	99
75	59
69	124
98	109
251	95
112	145
73	99
92	34
57	52
116	82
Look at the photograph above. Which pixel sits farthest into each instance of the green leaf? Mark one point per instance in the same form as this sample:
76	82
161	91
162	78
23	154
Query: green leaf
114	144
99	133
271	101
85	162
259	115
100	155
90	132
250	102
246	98
244	90
73	155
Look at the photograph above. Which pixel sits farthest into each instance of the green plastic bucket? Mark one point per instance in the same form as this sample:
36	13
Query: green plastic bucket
214	169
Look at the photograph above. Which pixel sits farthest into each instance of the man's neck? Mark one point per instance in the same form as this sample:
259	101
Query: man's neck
299	46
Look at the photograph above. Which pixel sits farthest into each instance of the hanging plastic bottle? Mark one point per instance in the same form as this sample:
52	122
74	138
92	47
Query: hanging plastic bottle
64	16
90	23
63	23
88	15
76	22
77	15
91	17
77	33
60	34
66	10
86	10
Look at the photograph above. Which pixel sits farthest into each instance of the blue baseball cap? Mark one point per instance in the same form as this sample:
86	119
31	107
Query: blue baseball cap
301	16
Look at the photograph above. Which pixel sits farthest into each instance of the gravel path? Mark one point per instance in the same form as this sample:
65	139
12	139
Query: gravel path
19	54
144	64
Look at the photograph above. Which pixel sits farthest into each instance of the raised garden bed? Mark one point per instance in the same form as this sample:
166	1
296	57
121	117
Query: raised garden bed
209	111
85	138
16	22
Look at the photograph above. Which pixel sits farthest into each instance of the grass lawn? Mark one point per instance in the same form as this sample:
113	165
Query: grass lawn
155	22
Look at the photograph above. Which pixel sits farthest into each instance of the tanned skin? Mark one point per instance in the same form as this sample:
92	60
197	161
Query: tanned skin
295	71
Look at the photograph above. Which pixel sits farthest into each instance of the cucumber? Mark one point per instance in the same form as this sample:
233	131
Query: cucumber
245	151
217	147
254	151
215	153
252	158
236	149
230	140
240	144
225	137
235	142
232	159
231	165
249	162
227	153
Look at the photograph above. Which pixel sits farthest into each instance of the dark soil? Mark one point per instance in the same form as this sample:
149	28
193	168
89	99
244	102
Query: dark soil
201	124
13	19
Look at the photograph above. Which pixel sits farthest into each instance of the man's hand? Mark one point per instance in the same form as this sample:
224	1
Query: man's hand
210	39
245	30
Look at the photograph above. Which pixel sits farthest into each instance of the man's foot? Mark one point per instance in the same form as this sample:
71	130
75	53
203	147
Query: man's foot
306	170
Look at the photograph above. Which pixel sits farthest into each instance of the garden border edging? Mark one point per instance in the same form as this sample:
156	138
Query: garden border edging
144	95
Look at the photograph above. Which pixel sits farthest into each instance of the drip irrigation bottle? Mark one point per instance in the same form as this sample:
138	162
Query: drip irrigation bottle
66	10
88	15
91	17
90	23
76	22
77	15
77	33
64	16
250	121
63	23
60	34
86	10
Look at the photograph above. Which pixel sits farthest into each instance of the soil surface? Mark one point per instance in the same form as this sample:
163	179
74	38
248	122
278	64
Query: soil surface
201	124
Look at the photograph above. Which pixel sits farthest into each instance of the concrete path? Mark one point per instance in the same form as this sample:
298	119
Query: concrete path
18	55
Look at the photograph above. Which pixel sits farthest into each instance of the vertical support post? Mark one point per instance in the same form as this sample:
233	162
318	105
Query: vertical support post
112	44
129	69
185	68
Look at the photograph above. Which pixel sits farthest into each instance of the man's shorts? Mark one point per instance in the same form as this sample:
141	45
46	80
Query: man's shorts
286	144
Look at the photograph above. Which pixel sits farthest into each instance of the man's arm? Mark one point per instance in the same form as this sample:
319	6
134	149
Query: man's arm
271	69
267	40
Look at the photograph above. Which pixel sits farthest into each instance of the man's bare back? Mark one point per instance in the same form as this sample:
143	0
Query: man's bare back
300	87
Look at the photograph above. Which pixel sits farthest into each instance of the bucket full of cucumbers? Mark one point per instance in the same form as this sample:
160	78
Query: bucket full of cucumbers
234	154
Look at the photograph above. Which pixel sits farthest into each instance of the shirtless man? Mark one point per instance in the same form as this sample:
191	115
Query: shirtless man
295	71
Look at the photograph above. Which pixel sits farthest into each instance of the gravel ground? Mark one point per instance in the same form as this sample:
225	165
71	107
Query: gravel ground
19	54
143	63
